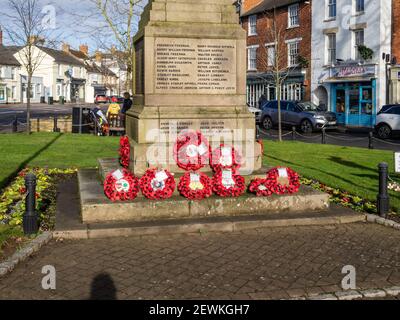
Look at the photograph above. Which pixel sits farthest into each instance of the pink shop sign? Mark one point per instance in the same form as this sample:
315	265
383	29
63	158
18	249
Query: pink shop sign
353	71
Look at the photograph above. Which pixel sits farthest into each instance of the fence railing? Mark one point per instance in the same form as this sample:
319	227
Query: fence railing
370	141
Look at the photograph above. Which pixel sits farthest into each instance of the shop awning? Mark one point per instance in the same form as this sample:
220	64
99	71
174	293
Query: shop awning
349	79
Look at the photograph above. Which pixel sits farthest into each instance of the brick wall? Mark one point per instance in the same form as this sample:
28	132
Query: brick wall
249	4
264	35
396	29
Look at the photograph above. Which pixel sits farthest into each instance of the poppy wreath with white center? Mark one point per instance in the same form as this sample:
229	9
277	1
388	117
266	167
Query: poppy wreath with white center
123	189
236	190
273	184
195	191
191	151
124	151
259	188
217	159
154	189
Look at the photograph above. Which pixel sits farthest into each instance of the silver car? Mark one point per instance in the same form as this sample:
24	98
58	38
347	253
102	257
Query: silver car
305	115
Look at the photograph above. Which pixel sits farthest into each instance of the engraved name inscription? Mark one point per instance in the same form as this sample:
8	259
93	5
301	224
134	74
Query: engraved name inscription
192	66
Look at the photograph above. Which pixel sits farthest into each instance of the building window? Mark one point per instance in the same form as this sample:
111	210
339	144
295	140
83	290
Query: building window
331	48
271	52
358	41
2	93
360	6
252	58
253	25
331	8
14	92
293	53
293	13
12	73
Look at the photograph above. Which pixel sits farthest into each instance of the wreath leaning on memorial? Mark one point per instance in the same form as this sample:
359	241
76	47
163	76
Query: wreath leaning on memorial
124	151
259	187
282	181
195	186
121	185
191	151
225	157
157	184
227	183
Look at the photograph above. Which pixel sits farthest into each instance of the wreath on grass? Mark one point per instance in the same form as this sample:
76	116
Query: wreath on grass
195	186
259	188
157	184
282	181
227	183
124	151
225	157
191	151
121	185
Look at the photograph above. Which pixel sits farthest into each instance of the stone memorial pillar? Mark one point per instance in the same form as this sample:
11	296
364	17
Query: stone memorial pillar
190	74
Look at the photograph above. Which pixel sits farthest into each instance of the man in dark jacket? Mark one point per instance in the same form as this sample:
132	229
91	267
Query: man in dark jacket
126	106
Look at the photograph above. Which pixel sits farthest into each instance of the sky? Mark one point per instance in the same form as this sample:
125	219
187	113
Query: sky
72	21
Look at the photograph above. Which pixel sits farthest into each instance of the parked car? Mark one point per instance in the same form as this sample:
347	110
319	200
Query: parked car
256	112
116	99
305	115
101	98
388	121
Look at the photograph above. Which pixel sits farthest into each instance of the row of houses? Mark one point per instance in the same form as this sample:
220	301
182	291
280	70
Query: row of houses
339	54
67	74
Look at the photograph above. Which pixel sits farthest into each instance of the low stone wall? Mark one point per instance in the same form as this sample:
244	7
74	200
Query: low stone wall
64	124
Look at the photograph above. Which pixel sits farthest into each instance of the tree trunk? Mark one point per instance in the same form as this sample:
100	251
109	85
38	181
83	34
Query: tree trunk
278	96
28	105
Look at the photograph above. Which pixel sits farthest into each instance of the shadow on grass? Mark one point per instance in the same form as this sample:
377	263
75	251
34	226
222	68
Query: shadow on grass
351	164
23	164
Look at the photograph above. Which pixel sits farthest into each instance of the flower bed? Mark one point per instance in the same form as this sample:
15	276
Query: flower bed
12	206
342	197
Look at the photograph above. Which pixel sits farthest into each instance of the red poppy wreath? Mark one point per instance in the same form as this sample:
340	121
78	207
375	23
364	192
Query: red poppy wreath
195	186
157	184
124	151
226	183
225	157
282	181
258	186
121	185
191	151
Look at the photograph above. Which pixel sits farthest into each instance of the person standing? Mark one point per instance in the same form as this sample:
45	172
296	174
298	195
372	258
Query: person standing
126	106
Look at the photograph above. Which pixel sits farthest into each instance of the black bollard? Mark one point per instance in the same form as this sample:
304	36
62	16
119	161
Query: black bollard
257	132
383	196
323	136
371	140
15	124
55	124
30	219
293	133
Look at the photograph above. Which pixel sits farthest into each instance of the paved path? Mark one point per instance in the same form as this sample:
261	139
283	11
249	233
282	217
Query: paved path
258	264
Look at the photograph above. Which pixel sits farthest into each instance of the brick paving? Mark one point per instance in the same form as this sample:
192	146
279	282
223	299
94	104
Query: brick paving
257	264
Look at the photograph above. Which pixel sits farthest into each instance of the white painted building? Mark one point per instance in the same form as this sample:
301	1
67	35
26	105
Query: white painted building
352	86
10	85
58	74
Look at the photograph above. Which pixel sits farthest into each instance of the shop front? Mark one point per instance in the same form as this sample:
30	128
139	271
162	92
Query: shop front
353	95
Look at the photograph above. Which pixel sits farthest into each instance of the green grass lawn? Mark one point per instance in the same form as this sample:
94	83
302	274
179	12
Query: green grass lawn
351	169
53	150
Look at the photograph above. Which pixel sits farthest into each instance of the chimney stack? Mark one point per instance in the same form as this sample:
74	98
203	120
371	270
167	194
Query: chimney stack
1	36
84	49
65	47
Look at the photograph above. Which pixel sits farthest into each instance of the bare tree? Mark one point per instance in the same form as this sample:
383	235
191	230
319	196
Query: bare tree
277	61
116	30
27	29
